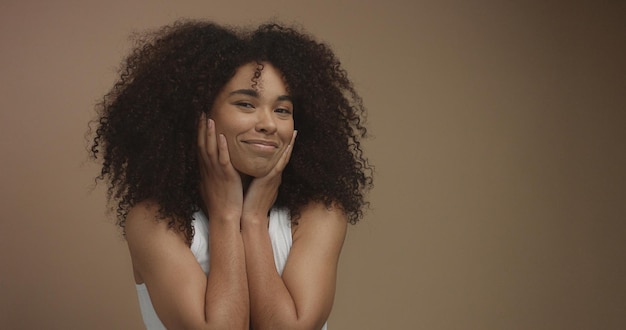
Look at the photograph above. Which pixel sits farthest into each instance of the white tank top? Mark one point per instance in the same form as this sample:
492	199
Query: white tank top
280	235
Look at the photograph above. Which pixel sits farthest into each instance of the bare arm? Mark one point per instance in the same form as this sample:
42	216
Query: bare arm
303	297
182	295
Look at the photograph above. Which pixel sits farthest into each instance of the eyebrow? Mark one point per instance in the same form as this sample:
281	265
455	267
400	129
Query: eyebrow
284	98
254	93
249	92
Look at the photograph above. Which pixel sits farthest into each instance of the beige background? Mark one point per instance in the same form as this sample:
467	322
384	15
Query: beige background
499	133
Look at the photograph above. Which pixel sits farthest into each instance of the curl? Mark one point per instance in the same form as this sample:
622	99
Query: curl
147	123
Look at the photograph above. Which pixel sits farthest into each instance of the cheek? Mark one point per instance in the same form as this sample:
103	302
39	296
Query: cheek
228	127
287	132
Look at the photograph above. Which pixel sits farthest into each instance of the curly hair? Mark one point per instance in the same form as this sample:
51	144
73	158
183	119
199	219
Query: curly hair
146	134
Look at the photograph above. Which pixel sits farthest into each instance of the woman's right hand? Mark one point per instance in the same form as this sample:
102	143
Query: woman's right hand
183	295
220	184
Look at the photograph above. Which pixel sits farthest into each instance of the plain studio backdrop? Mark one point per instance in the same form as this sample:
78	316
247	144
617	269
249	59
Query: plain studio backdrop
498	135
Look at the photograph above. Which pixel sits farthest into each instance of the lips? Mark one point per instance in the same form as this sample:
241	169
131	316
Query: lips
261	143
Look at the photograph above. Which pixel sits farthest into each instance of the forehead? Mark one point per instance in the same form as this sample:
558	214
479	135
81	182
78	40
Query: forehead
261	77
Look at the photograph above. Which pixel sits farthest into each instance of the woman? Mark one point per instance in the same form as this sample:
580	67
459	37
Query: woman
232	221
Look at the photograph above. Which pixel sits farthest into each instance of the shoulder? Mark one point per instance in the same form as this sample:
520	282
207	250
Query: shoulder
310	274
319	211
317	219
145	220
149	237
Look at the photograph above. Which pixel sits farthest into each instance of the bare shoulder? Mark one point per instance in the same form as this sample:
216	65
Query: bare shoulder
150	239
318	219
310	274
143	221
142	214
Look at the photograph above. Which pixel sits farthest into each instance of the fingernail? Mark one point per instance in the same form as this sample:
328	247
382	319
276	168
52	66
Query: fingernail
210	123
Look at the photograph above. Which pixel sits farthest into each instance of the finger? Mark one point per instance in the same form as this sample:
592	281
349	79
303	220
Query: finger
202	132
293	137
223	155
284	158
210	152
211	143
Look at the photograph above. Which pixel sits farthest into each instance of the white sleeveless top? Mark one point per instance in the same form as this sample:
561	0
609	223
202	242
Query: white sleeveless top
280	235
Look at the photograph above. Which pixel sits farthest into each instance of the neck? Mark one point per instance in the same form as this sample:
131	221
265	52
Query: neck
245	182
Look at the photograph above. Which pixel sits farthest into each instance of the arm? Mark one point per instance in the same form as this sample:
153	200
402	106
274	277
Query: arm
303	297
182	295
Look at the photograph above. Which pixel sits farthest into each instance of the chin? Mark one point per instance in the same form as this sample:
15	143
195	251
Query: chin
254	172
255	168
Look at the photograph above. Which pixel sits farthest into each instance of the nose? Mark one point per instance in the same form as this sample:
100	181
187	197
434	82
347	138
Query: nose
266	123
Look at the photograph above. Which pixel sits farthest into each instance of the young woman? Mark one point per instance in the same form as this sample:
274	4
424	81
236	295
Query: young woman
234	163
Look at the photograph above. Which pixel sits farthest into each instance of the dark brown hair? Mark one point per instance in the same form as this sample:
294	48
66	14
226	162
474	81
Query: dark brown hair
147	123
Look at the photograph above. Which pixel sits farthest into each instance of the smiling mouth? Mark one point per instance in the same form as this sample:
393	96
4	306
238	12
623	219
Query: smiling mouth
262	143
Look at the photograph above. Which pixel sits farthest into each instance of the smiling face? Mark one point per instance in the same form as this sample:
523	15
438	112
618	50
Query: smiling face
255	117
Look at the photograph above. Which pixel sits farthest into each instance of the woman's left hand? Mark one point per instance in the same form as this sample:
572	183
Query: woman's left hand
262	192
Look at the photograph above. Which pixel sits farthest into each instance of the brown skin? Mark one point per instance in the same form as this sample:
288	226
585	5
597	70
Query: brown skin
303	297
242	285
146	130
182	295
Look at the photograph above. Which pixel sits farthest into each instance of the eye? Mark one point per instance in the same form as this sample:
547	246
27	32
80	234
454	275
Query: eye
245	105
283	111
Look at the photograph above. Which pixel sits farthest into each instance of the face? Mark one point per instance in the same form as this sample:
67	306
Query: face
256	119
